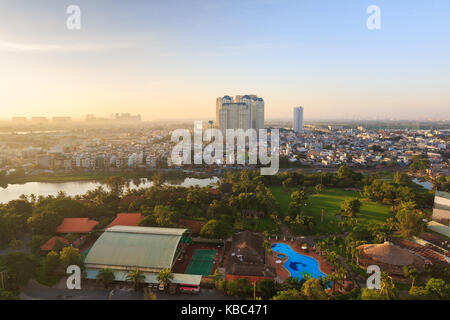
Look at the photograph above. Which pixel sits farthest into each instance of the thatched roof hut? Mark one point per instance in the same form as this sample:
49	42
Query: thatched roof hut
389	257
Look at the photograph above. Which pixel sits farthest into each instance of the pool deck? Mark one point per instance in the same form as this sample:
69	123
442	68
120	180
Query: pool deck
283	273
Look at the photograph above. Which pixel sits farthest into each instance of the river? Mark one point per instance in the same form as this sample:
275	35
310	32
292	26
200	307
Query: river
427	185
14	191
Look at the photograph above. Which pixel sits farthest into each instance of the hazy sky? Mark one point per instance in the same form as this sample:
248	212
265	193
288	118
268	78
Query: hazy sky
172	58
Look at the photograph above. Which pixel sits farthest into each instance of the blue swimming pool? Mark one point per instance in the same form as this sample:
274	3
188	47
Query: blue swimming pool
298	264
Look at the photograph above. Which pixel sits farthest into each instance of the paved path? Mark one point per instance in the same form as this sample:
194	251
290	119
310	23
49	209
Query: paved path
352	274
285	230
36	291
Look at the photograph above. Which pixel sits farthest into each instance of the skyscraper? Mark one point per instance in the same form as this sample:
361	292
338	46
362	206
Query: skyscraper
240	112
298	119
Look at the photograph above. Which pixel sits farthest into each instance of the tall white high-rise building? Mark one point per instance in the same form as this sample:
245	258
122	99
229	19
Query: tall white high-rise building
298	119
240	112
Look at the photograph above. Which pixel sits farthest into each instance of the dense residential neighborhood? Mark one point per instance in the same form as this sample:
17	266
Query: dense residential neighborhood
149	147
359	147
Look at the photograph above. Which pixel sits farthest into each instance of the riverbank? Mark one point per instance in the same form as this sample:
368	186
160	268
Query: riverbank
96	176
75	188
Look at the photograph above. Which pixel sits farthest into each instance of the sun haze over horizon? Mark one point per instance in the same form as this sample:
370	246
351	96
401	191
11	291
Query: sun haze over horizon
172	59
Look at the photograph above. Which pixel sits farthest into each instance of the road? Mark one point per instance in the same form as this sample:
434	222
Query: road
36	291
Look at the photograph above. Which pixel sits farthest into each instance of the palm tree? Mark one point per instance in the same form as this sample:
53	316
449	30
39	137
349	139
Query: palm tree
217	276
411	273
266	244
157	180
33	199
388	290
116	185
333	277
136	277
106	276
357	255
333	258
165	277
353	251
391	223
342	275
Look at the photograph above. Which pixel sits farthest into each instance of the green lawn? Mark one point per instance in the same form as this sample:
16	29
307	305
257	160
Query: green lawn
330	200
282	197
260	225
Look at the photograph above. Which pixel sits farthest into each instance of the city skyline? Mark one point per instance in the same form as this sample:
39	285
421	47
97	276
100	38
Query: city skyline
170	60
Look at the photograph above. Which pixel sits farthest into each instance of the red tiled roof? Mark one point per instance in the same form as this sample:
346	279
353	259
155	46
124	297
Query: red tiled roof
194	225
126	219
52	242
423	251
76	225
214	191
79	241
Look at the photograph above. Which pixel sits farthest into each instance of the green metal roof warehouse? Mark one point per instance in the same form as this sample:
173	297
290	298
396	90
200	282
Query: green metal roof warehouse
123	248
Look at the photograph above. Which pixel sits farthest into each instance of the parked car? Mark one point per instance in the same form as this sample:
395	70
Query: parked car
189	289
154	287
173	288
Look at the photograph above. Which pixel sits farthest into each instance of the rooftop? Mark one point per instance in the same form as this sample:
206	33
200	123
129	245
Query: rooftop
442	194
389	253
178	278
53	242
124	247
76	225
148	230
126	219
246	257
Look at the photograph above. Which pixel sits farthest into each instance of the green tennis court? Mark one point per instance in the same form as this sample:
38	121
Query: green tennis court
201	262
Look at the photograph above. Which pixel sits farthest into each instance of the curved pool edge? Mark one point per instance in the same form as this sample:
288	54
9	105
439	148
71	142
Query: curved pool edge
319	262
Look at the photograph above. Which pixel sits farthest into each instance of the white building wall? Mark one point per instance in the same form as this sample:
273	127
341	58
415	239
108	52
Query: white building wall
241	112
442	201
298	119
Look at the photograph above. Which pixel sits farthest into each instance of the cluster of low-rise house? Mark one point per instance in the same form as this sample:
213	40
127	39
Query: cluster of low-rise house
86	152
150	149
365	148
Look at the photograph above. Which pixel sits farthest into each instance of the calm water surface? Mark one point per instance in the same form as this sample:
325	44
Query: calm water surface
14	191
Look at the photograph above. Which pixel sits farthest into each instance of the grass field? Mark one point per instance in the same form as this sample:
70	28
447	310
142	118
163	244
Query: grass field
282	197
330	200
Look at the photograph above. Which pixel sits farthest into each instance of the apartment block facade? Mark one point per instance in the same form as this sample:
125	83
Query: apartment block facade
240	112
